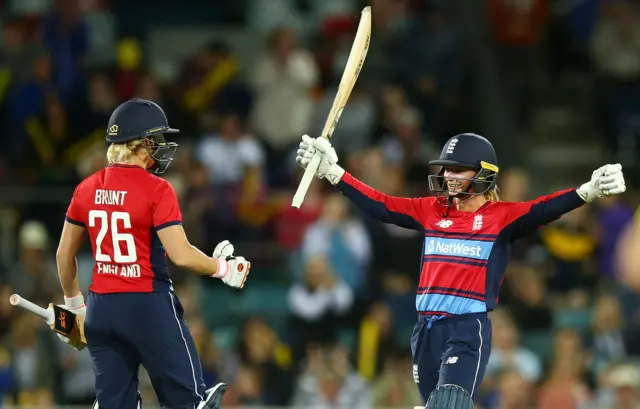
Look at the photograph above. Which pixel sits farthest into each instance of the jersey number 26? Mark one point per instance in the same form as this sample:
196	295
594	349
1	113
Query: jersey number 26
116	237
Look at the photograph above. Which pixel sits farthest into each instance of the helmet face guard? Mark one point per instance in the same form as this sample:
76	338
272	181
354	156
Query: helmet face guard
160	150
484	181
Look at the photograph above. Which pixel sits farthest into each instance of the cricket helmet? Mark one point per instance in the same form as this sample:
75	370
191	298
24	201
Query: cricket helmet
140	119
468	151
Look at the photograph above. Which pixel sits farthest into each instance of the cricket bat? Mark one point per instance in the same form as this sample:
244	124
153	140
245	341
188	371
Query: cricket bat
60	320
349	76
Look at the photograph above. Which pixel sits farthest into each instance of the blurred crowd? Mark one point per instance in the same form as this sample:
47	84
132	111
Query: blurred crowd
327	313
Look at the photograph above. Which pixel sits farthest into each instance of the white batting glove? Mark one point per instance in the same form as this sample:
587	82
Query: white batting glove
224	249
236	270
605	181
77	306
328	168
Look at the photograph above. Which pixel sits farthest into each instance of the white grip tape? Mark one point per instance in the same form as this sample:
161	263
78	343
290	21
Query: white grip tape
306	180
44	313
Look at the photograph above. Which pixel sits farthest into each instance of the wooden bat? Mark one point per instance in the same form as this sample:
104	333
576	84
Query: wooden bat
349	76
60	320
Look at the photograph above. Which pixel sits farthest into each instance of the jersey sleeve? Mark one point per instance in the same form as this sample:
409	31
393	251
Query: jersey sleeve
524	218
166	210
401	211
74	211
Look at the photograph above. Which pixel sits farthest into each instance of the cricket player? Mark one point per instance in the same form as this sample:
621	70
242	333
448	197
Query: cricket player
468	232
133	220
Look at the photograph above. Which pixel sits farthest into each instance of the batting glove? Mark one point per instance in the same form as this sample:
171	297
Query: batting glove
605	181
77	306
328	169
224	249
233	271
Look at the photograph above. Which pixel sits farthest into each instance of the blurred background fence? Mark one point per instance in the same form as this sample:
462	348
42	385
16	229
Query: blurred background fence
553	84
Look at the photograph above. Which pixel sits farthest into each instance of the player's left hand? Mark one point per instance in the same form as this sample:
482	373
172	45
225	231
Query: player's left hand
237	272
77	306
605	181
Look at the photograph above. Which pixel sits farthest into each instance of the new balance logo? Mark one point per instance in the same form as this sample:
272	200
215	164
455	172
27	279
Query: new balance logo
451	360
444	223
416	378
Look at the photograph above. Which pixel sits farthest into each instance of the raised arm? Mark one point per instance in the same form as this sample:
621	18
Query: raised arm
401	211
524	218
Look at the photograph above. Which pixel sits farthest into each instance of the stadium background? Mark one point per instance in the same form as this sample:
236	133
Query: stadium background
326	316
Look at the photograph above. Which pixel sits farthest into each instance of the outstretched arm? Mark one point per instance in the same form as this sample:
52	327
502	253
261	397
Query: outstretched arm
401	211
526	217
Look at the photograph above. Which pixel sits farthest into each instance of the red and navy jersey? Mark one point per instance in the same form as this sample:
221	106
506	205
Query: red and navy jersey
123	207
464	254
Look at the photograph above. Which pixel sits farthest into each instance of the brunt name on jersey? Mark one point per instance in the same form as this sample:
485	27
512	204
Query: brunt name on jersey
110	197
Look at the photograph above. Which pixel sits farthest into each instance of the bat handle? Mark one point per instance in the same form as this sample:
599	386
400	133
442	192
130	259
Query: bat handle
43	313
307	178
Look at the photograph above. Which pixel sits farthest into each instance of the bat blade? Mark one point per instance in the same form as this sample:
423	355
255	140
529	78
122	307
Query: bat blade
350	74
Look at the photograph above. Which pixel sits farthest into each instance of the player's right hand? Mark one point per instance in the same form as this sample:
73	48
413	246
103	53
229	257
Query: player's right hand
77	306
237	272
328	167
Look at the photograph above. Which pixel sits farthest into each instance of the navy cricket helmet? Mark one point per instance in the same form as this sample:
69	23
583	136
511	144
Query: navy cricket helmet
140	119
467	151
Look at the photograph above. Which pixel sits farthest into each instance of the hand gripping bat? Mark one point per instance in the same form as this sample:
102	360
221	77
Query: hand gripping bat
349	76
59	319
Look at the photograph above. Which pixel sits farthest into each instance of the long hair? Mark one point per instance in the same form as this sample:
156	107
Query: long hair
122	152
493	195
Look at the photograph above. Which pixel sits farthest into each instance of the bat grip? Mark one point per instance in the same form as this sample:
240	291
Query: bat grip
43	313
307	178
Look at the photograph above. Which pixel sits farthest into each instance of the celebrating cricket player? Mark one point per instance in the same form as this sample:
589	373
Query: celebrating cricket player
133	221
468	232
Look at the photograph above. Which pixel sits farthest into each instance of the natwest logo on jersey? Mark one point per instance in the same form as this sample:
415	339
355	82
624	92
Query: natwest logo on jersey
479	250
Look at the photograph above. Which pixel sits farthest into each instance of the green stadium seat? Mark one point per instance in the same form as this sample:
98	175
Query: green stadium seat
538	342
577	319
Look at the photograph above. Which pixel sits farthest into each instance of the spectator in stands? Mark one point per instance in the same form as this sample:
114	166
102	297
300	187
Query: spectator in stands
376	342
615	50
564	387
528	300
343	240
34	363
283	79
35	277
513	391
395	388
613	216
605	338
318	303
571	242
518	28
621	387
66	35
506	352
229	153
335	385
270	358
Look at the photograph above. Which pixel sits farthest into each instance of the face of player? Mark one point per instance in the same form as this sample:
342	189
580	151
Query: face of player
458	179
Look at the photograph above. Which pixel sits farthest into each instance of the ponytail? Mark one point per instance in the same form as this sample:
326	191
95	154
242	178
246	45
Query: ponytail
122	152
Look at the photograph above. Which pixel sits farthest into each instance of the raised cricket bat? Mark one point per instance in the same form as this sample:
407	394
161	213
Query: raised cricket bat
349	76
60	320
